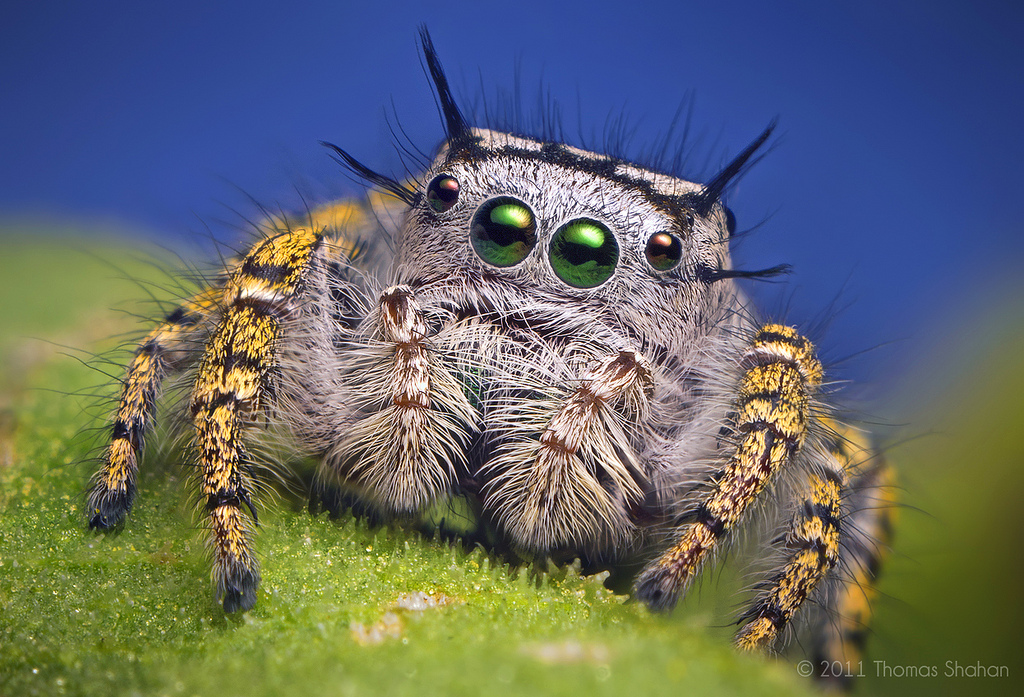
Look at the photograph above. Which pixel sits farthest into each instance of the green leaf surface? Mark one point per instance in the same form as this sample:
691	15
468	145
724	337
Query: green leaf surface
345	608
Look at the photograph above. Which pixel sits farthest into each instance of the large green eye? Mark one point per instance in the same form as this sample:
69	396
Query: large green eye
583	253
663	251
503	231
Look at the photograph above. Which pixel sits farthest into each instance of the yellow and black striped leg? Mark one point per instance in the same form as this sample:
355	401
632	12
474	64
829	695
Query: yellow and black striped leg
231	382
842	629
773	409
813	552
113	486
843	527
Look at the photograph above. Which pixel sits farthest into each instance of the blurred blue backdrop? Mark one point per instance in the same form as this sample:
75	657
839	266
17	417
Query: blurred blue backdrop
894	188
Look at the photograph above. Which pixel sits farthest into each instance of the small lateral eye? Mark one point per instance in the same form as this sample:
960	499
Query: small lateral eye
584	253
442	192
503	231
664	251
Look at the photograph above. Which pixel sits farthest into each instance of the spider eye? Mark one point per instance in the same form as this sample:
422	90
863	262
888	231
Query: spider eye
584	253
664	251
503	231
442	192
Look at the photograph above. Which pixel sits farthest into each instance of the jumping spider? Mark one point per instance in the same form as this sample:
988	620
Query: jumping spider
554	332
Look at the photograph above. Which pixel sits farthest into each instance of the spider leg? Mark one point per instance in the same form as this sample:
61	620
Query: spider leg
867	527
773	410
113	487
812	552
262	292
407	446
573	485
844	525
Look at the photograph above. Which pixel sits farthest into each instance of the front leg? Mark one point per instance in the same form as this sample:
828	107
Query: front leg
407	447
232	378
566	475
773	410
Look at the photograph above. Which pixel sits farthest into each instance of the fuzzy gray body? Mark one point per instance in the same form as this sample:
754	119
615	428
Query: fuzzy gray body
504	349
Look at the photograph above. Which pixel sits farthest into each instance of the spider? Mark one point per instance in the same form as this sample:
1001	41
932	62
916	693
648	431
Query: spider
555	333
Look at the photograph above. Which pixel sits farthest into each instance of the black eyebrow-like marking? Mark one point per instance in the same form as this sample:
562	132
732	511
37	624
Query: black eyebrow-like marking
677	206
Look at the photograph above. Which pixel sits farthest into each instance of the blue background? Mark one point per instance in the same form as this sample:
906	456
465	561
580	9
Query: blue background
894	188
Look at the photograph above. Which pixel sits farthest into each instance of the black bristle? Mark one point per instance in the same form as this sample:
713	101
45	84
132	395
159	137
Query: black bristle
393	187
455	124
713	189
712	275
